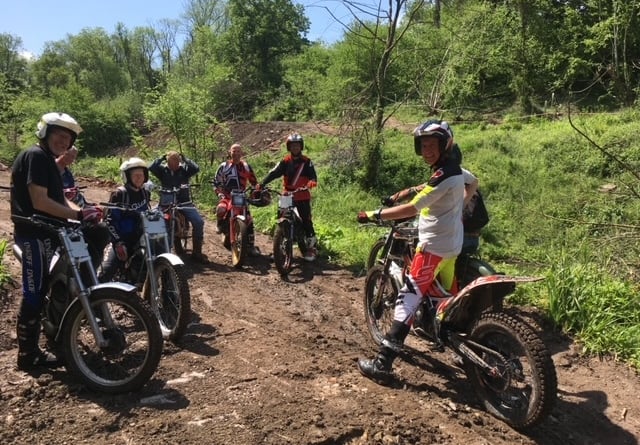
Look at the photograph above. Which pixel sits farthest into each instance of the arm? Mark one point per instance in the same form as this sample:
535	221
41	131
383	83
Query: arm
190	167
399	212
275	172
43	203
156	167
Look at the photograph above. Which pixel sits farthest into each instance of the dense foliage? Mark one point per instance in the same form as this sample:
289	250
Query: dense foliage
474	62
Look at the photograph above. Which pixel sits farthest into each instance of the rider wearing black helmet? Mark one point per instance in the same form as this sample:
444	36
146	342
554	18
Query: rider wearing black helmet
298	171
439	205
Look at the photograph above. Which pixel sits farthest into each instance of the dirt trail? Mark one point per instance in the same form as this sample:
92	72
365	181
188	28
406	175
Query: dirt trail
268	361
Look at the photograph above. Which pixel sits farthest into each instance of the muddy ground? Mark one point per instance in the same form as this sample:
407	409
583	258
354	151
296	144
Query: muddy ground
269	361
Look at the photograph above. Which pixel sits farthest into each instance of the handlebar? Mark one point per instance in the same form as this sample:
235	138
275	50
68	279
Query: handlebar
177	189
45	222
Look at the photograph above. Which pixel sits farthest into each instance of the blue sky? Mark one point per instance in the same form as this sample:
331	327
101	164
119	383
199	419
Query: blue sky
37	21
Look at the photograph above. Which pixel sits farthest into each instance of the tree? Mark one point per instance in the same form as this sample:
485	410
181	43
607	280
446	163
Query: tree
377	32
261	34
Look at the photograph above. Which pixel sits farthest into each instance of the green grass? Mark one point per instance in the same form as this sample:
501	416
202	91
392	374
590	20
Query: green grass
541	182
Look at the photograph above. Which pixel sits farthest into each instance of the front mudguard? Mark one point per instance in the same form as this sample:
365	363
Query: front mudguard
172	258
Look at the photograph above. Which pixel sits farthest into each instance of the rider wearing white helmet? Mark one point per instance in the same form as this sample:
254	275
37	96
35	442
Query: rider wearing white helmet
36	188
124	225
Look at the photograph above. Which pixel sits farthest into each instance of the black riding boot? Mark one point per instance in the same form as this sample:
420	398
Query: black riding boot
30	356
378	369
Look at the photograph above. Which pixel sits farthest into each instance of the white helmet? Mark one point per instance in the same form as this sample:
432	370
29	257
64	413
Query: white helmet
133	163
61	120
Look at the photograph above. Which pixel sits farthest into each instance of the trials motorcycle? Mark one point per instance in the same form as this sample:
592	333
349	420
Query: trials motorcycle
507	363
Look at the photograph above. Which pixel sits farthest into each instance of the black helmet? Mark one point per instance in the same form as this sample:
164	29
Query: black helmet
260	198
456	154
433	128
295	137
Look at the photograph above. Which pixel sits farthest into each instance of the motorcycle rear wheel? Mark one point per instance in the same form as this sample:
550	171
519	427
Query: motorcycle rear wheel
524	389
135	343
282	249
181	235
239	246
380	294
172	305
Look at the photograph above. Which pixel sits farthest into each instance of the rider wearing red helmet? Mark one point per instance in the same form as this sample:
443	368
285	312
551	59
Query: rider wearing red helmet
439	205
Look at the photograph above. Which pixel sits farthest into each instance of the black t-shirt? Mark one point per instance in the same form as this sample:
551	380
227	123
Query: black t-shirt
37	166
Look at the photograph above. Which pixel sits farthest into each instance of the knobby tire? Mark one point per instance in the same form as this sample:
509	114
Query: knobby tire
134	351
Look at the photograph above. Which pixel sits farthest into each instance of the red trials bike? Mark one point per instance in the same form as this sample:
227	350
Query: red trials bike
507	363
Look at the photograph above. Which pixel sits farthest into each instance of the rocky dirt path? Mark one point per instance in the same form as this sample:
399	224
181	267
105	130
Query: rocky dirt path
268	361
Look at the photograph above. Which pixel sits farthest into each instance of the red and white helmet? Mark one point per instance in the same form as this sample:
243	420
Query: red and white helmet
60	120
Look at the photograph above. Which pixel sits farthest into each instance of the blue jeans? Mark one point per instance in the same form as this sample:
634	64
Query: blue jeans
194	217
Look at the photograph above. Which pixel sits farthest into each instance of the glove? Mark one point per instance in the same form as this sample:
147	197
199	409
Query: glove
311	184
370	216
70	193
91	214
388	201
121	251
220	195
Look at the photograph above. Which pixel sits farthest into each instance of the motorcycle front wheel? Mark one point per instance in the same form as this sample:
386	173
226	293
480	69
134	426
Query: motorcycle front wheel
376	254
172	304
134	346
239	242
380	294
282	249
520	389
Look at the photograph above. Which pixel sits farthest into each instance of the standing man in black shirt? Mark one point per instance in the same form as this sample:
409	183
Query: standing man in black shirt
36	187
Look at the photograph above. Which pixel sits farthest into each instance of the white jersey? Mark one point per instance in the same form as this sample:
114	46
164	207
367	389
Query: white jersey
440	205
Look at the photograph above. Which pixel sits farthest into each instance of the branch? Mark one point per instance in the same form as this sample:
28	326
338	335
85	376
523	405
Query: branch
573	221
611	156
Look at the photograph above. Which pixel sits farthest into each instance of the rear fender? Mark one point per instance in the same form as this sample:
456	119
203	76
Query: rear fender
481	294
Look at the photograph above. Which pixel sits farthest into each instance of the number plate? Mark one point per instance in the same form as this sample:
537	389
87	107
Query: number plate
238	199
285	201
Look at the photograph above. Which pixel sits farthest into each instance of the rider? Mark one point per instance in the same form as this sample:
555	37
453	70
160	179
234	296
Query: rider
472	197
298	171
174	170
124	225
36	187
439	204
233	174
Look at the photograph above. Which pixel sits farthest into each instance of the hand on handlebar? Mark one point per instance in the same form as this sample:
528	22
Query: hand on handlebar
91	214
370	216
311	184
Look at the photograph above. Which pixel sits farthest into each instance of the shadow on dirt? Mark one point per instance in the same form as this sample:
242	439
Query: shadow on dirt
569	422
